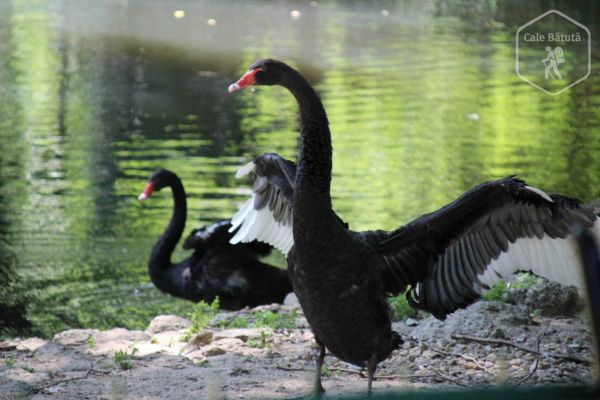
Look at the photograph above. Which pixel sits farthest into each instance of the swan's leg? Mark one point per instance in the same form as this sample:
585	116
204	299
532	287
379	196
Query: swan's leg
371	367
319	390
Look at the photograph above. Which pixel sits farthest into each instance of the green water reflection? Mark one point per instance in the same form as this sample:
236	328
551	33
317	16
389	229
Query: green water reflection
422	99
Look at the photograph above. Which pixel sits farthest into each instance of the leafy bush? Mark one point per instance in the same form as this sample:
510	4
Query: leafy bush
123	358
10	361
400	307
496	292
201	316
523	280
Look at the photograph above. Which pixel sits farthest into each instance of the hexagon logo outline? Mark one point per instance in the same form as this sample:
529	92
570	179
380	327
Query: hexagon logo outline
589	52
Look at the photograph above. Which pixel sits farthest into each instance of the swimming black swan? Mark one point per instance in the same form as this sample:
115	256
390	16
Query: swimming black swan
216	268
443	260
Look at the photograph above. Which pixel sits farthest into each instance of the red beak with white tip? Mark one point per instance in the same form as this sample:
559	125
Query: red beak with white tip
244	81
147	192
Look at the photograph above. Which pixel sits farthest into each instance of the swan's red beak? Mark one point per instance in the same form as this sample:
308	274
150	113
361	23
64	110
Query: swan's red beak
244	81
147	192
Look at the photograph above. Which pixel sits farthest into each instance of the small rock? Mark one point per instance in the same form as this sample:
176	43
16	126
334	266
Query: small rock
56	358
215	351
31	344
411	322
498	333
202	339
267	307
470	365
429	354
515	361
121	334
550	298
238	333
16	382
8	345
239	371
74	337
291	300
164	323
301	323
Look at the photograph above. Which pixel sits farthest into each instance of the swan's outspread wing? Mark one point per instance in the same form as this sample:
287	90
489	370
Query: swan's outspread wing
267	216
451	256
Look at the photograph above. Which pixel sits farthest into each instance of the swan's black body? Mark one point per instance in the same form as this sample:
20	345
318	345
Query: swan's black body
445	258
216	268
342	296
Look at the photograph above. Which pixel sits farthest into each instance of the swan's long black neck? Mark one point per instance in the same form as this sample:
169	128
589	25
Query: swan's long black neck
160	265
314	164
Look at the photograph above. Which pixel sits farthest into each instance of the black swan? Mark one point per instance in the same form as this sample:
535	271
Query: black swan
216	268
442	260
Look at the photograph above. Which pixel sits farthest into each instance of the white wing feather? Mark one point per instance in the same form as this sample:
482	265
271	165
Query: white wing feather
554	259
259	224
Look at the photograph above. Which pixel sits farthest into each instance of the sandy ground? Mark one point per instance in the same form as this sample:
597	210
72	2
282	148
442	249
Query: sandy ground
263	363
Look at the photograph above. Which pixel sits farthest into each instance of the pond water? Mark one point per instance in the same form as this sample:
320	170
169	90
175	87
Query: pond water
422	98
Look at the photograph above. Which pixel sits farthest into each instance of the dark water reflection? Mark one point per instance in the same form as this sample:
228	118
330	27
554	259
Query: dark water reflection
422	98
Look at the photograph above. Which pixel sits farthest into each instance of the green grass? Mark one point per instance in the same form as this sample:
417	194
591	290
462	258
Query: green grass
261	319
239	322
496	292
400	308
201	317
273	320
265	339
522	281
10	361
123	358
328	372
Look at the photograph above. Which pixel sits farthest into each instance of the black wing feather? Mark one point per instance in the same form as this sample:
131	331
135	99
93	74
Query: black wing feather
441	254
274	190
